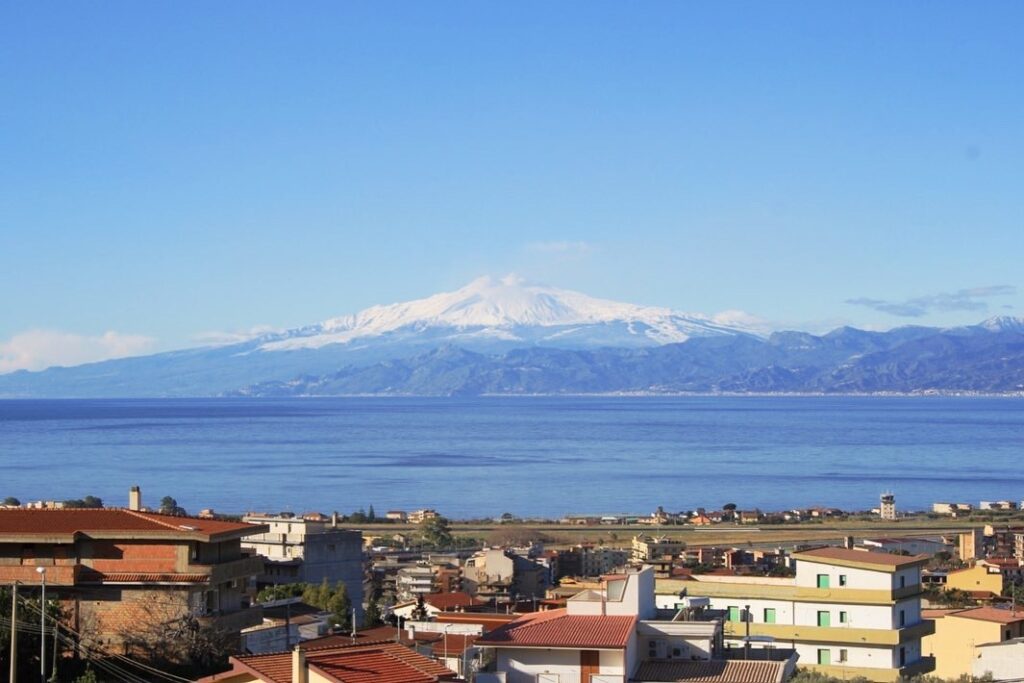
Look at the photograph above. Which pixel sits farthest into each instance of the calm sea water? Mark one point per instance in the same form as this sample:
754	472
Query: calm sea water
528	456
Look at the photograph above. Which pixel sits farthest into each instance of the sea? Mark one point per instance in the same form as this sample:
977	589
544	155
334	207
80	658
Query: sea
529	456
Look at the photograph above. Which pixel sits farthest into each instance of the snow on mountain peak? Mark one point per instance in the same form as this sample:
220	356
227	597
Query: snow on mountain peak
499	307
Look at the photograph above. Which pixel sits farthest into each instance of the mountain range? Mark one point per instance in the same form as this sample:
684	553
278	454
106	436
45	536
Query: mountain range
507	336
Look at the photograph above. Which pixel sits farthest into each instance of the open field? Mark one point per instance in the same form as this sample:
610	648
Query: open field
720	534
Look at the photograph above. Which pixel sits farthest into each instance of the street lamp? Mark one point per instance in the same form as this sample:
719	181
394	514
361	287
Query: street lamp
42	626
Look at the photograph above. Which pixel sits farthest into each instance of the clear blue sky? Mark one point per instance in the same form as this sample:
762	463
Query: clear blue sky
169	169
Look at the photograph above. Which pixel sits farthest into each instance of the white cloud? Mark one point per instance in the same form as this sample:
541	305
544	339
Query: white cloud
39	349
221	338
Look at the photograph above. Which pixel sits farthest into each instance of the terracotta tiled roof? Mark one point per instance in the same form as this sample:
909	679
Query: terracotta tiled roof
451	601
108	522
556	628
994	614
714	671
884	561
376	663
129	577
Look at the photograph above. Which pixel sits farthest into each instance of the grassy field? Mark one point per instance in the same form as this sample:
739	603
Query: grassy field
720	534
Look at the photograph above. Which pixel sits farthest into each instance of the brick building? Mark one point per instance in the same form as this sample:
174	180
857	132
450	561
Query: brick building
120	572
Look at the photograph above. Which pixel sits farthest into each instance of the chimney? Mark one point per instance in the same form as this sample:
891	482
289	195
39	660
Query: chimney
300	672
135	498
334	519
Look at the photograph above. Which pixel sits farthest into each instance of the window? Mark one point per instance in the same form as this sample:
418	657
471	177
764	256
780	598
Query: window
824	619
903	656
822	580
842	655
843	617
842	579
903	617
824	657
769	615
903	582
734	614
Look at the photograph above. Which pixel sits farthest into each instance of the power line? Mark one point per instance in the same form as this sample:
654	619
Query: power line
102	655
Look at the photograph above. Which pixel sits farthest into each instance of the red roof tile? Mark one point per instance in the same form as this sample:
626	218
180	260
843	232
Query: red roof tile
451	601
994	614
488	622
713	671
106	522
128	577
556	628
377	663
884	561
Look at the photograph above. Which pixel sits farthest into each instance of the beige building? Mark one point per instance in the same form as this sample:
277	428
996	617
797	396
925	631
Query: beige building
959	633
981	578
651	548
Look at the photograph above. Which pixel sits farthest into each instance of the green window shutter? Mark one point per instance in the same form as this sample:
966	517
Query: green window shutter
824	619
734	614
822	580
769	615
824	657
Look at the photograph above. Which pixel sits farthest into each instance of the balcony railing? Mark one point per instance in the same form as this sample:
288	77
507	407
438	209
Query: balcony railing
228	571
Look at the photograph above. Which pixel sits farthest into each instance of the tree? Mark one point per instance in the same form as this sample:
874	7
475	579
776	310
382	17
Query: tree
87	502
11	501
371	516
281	592
729	507
372	615
339	605
437	532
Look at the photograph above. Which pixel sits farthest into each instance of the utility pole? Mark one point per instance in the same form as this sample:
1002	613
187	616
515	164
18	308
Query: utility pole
53	669
14	632
42	626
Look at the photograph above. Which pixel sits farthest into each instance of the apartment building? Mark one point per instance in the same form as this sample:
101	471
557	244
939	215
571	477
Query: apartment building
411	582
308	549
122	573
846	612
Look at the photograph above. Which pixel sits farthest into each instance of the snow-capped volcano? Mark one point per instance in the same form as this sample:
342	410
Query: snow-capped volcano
510	309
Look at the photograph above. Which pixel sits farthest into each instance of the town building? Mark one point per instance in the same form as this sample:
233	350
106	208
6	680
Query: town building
982	581
614	635
396	516
411	582
907	545
847	612
420	516
499	576
647	548
959	633
344	663
1001	661
122	575
308	549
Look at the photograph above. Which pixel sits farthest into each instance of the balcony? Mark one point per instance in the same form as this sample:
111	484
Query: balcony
228	571
921	666
786	591
58	572
832	634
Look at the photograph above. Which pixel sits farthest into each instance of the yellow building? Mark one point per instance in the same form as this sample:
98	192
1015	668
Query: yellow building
958	633
981	578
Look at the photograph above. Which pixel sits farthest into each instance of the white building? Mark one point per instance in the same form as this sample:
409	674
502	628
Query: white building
1003	661
411	582
847	612
299	550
